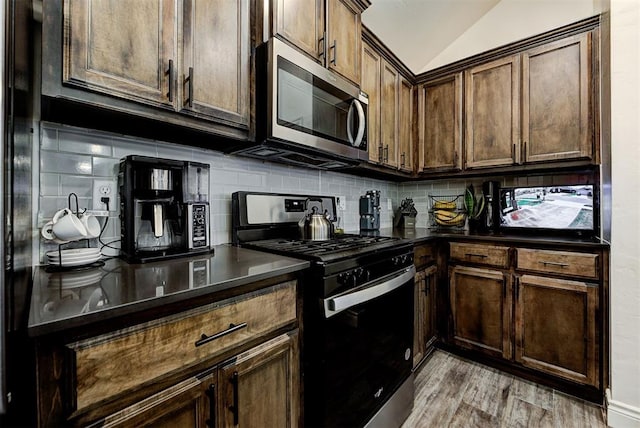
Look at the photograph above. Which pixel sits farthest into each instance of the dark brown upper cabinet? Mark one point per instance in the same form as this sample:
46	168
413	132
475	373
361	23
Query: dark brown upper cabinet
214	76
405	125
556	100
391	112
123	49
532	107
183	64
370	84
440	124
327	30
492	113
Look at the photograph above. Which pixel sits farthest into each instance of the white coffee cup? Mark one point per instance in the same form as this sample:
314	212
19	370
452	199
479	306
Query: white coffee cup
47	233
91	224
68	227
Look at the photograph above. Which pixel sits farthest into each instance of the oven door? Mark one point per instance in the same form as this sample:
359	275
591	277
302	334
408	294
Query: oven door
359	355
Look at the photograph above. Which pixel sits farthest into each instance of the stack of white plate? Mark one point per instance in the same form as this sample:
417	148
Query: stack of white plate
73	257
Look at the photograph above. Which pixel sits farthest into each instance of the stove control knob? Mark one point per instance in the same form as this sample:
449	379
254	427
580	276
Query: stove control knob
367	275
395	261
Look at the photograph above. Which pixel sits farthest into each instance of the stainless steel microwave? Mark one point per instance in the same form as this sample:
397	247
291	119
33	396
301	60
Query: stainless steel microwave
305	113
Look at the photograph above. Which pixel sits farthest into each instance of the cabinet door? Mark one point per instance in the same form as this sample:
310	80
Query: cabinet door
440	122
481	310
343	39
260	388
556	327
190	403
556	99
405	126
492	112
370	78
425	314
215	68
389	114
122	48
302	23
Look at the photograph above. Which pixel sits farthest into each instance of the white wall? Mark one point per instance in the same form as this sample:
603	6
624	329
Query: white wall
513	20
624	403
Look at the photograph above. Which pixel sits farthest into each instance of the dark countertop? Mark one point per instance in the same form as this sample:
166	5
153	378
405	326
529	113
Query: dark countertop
65	300
424	235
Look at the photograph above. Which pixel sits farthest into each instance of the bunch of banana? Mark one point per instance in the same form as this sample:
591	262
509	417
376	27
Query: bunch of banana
444	205
449	218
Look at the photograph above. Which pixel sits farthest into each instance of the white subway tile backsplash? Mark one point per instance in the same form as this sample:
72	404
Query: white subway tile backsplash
105	167
76	142
75	184
48	139
65	163
49	184
71	157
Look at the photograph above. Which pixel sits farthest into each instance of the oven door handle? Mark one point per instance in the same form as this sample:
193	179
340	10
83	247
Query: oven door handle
352	298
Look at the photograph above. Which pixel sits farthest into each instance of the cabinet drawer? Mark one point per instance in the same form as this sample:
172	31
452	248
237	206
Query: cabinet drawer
483	254
423	255
563	262
113	363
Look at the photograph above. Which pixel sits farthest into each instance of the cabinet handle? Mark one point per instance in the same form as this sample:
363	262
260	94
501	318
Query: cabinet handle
402	157
189	79
334	46
482	256
321	47
380	153
211	393
386	153
524	152
513	152
562	265
234	408
170	73
455	158
232	327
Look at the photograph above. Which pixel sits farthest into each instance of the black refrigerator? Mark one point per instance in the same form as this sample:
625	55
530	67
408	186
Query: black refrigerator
19	110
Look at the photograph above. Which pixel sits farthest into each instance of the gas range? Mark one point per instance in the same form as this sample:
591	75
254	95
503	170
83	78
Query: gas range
357	312
335	249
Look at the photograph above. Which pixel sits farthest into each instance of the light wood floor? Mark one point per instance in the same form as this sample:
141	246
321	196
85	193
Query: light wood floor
454	392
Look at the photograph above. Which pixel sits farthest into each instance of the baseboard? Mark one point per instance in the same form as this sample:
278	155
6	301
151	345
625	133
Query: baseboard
621	415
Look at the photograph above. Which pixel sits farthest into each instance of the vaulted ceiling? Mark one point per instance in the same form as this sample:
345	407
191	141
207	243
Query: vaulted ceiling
424	26
426	34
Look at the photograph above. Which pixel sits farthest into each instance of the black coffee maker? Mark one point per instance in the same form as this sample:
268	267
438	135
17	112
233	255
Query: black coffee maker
164	208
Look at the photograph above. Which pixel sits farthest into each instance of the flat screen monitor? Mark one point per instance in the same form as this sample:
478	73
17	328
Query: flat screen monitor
567	208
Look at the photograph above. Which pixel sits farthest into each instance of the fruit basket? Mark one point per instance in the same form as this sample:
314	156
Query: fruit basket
446	212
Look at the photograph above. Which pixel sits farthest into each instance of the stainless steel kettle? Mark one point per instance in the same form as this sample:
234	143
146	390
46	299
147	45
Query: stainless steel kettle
315	225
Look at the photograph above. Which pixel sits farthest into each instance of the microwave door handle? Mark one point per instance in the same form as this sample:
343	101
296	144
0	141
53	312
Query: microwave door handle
350	122
349	299
361	123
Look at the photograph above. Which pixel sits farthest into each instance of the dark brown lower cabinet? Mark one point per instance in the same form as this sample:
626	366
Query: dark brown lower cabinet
259	387
190	403
425	313
480	302
555	328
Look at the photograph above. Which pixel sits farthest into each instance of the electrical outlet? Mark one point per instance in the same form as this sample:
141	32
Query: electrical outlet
341	203
104	189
